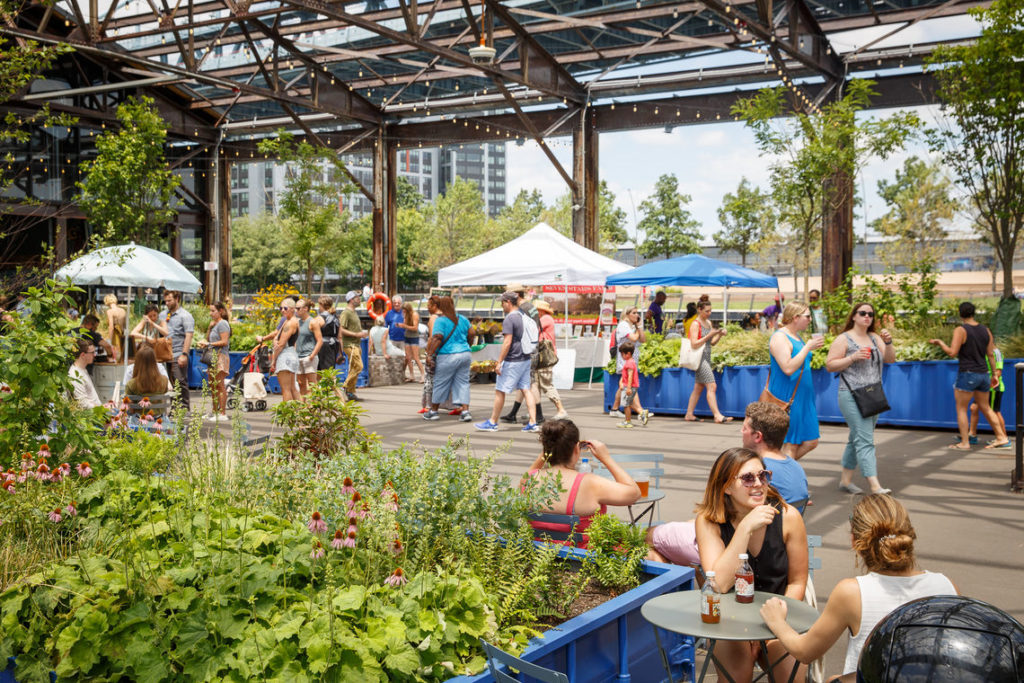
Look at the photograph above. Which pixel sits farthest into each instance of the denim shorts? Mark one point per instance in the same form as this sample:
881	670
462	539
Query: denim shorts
514	375
972	381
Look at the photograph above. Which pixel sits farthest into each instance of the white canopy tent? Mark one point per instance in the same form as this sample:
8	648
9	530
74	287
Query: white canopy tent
129	265
541	255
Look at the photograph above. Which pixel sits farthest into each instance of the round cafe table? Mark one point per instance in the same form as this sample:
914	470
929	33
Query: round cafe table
680	612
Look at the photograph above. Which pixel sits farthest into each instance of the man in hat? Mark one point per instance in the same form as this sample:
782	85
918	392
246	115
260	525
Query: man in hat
352	332
771	313
513	366
545	375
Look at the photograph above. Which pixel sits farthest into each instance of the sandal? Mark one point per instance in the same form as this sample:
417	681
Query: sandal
692	419
957	447
1006	445
724	420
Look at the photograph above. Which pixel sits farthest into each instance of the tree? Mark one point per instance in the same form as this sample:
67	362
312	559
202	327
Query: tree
817	154
982	85
311	220
128	187
406	194
611	220
667	225
747	218
920	208
455	225
257	259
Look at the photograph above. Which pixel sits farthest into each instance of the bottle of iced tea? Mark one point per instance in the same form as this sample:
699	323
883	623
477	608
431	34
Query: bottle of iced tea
744	580
710	612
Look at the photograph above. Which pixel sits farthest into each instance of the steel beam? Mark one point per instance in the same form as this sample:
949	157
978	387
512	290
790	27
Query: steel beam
377	271
390	245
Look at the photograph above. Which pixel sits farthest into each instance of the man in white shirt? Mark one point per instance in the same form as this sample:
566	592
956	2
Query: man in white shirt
85	391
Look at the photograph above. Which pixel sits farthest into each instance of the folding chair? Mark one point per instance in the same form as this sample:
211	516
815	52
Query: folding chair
497	660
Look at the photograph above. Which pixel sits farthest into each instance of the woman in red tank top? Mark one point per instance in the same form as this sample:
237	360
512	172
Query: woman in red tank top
579	493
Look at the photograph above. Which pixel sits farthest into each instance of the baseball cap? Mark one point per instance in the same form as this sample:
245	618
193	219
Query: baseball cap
352	294
510	296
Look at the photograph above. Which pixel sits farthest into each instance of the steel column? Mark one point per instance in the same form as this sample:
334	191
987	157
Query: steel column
377	273
585	204
837	232
223	218
390	221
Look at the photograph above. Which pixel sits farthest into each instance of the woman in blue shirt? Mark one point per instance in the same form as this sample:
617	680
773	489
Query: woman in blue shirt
790	378
448	353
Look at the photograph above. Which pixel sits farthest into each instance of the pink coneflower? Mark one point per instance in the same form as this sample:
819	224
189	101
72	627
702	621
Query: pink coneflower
350	539
148	417
42	472
55	476
348	487
365	512
7	485
318	551
317	525
110	405
55	516
339	537
70	509
393	503
84	471
27	463
145	402
397	578
44	451
355	502
65	468
396	546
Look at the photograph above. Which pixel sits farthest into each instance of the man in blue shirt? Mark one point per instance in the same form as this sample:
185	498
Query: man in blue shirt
763	432
394	319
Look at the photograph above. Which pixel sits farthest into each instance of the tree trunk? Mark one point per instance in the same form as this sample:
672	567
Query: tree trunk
1008	271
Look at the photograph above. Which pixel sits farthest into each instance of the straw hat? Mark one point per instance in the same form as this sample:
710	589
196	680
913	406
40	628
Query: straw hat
542	305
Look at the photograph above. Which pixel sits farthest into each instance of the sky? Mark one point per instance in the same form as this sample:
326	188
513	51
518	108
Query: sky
710	159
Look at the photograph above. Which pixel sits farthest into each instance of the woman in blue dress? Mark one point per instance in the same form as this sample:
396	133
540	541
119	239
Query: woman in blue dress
789	355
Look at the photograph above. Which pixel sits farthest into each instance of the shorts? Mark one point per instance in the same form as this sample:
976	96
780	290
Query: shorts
627	396
676	542
309	365
412	341
995	399
223	362
287	360
514	375
972	381
400	343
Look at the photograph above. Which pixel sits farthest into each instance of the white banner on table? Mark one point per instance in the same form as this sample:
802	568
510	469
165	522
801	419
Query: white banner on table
565	369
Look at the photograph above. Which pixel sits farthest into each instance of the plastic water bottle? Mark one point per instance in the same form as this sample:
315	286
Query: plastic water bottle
710	609
744	580
584	465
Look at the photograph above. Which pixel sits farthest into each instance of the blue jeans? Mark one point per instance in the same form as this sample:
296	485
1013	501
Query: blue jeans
451	375
972	381
860	445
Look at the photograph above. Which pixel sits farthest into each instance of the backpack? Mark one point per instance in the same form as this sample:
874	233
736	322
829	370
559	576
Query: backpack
528	342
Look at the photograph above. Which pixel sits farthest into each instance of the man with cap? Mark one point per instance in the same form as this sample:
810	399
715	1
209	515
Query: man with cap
771	313
526	308
393	320
513	366
352	332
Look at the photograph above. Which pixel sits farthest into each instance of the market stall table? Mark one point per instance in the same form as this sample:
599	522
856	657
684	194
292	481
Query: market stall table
680	612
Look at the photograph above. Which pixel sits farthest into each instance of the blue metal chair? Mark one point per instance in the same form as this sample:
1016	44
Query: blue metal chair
497	660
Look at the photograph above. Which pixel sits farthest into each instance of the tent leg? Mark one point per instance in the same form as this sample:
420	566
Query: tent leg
725	308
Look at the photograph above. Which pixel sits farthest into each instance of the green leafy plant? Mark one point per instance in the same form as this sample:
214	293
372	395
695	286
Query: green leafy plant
615	552
321	424
138	453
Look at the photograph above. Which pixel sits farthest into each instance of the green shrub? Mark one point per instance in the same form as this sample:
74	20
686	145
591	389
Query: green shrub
137	453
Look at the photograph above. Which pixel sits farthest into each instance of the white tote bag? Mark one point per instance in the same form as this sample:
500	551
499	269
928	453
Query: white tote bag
689	357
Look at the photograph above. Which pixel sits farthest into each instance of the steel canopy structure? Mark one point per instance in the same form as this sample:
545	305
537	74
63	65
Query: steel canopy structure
377	75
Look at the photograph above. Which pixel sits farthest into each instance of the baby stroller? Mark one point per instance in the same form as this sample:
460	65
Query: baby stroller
251	379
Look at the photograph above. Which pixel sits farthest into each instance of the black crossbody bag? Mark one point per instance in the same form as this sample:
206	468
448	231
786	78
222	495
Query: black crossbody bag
870	399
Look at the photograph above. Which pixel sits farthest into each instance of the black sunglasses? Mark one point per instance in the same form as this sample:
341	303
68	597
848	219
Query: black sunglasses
748	479
866	314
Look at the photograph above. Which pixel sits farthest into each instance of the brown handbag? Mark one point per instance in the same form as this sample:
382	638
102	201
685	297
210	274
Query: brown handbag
769	397
162	348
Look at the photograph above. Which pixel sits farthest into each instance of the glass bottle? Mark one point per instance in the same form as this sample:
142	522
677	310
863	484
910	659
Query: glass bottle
744	580
710	612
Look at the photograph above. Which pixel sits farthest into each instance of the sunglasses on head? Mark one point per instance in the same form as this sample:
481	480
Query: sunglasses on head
866	314
749	478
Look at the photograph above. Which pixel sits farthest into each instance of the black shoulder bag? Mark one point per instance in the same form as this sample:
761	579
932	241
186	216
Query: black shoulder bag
870	399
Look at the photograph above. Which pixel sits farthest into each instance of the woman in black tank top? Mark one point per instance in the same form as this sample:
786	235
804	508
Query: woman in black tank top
742	513
973	347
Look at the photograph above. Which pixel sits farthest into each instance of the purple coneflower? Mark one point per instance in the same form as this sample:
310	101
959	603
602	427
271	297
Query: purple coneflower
317	525
145	402
44	451
339	537
318	550
42	472
348	487
84	471
393	503
397	578
55	516
355	502
7	485
396	546
350	539
365	512
70	509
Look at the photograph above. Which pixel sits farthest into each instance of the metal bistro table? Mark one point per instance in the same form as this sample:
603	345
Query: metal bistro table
680	612
650	500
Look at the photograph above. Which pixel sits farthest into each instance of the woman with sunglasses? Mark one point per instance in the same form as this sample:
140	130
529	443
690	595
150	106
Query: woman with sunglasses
857	355
789	378
742	513
883	538
285	361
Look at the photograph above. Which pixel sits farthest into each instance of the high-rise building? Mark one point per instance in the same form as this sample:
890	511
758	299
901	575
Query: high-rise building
256	187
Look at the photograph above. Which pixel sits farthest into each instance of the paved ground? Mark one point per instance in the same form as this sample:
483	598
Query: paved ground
969	526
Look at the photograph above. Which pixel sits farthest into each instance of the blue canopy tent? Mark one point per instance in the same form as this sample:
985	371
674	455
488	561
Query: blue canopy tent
694	270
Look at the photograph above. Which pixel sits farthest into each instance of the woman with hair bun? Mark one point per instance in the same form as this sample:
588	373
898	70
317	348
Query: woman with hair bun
883	537
580	493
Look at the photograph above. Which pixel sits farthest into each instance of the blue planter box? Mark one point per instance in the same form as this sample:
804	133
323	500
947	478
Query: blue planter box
197	370
919	392
613	641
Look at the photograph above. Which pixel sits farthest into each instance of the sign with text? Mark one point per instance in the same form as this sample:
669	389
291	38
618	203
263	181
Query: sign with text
585	302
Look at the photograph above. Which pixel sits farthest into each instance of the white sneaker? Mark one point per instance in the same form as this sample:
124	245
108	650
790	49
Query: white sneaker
210	417
617	414
562	416
222	418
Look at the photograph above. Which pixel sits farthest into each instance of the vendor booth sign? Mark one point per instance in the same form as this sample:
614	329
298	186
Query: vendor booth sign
584	303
